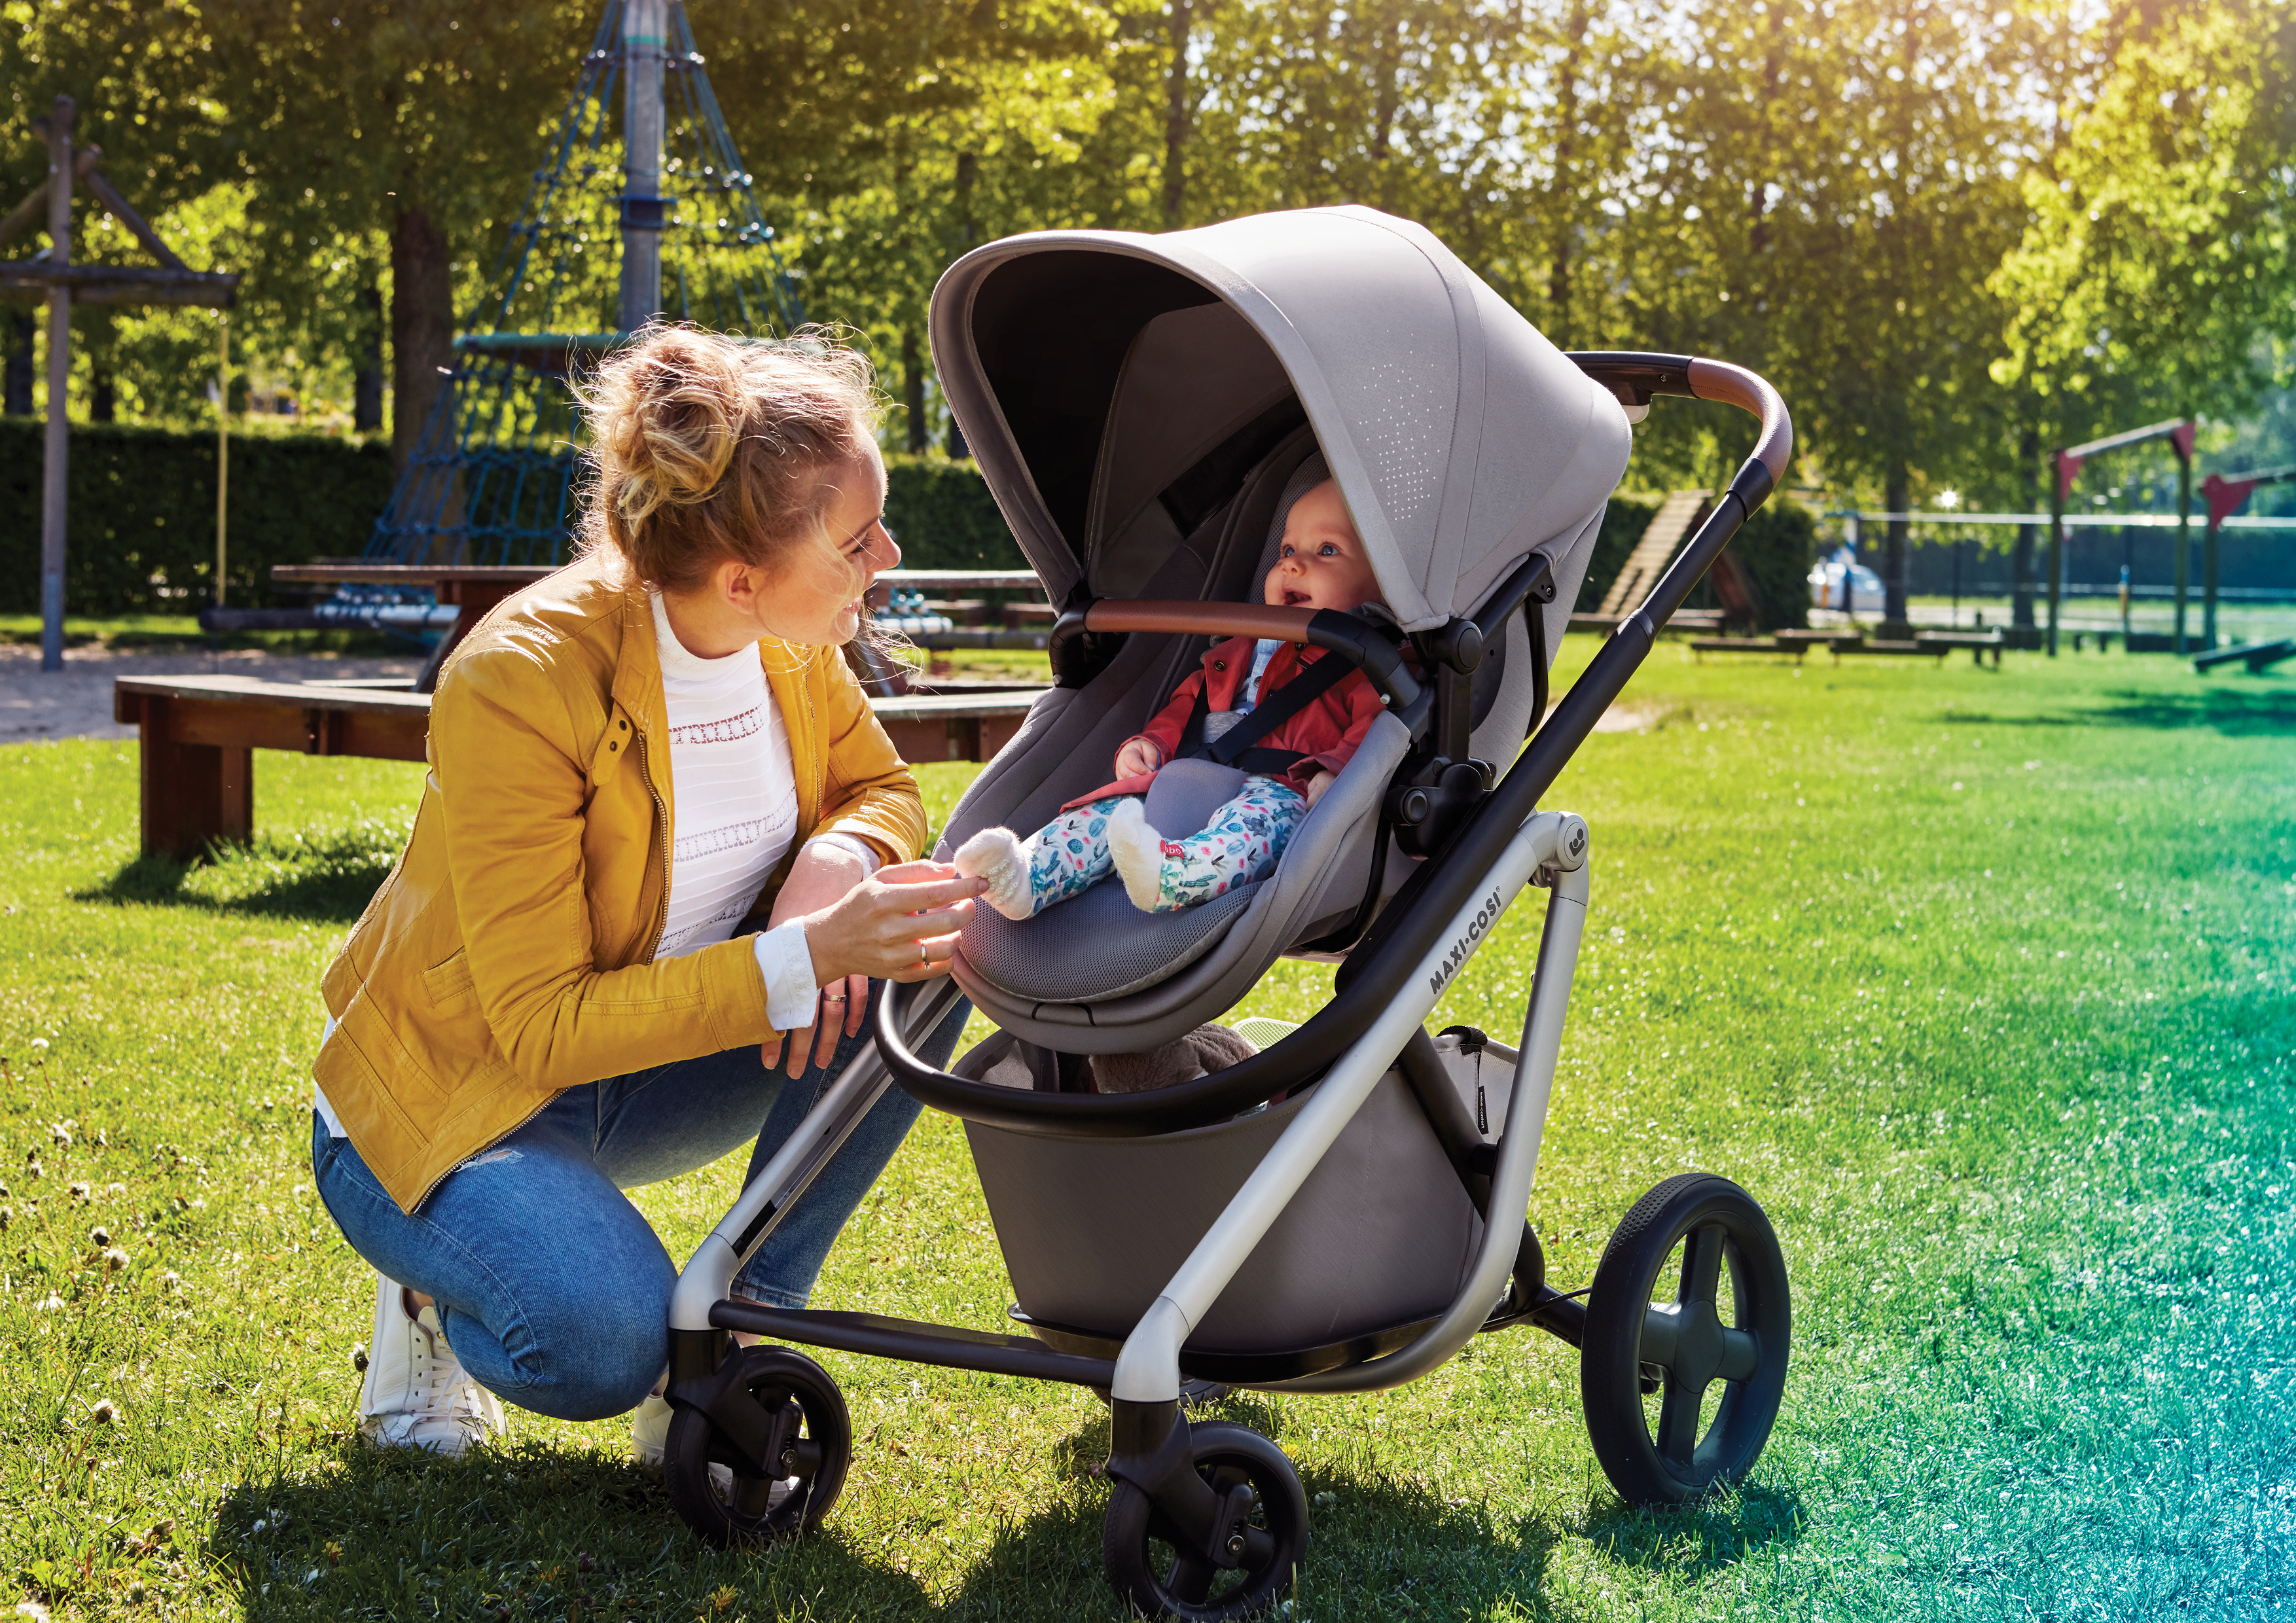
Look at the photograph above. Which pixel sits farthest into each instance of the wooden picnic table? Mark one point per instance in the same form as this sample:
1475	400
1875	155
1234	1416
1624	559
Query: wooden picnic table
199	735
475	588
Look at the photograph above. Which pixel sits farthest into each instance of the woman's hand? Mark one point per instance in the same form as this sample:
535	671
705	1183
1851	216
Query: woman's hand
1138	758
901	925
823	874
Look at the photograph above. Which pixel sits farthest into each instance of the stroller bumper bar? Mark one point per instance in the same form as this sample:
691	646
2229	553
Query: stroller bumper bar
1082	640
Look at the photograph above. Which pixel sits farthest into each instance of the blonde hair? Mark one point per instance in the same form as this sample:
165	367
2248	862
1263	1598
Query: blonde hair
706	448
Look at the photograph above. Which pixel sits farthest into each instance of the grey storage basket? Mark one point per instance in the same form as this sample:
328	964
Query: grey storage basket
1093	1229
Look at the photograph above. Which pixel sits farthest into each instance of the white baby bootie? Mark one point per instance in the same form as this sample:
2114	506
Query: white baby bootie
997	856
1137	851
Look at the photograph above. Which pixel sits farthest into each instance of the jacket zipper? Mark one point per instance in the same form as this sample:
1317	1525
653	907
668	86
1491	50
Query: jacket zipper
661	827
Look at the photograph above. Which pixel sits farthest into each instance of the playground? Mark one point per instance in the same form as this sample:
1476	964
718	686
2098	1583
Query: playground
1983	979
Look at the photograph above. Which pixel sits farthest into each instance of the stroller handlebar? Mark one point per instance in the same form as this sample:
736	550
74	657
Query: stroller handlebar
1359	643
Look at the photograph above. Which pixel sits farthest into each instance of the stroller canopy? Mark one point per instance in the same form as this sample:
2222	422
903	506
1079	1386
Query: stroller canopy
1097	375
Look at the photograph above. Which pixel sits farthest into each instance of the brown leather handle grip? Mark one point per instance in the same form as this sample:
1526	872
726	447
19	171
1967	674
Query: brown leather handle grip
1200	619
1750	391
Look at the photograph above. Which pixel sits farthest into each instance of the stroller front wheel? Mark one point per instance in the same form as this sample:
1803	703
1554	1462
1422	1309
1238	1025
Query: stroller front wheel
727	1497
1149	1567
1660	1342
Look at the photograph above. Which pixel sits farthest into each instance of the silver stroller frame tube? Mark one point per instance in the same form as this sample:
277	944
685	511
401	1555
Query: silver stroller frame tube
1552	843
709	1275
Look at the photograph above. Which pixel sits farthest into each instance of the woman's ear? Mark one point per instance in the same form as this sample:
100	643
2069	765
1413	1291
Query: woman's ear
734	585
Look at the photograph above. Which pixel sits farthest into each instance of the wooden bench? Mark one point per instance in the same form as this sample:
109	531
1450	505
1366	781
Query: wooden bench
1708	621
199	735
2258	657
1979	642
1776	647
1888	647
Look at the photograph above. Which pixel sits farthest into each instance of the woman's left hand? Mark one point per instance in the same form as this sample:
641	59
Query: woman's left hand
823	874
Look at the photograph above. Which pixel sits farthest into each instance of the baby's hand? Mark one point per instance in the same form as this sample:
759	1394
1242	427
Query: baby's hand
1138	758
1317	784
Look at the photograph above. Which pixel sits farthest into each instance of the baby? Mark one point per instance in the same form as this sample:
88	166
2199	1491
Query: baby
1320	564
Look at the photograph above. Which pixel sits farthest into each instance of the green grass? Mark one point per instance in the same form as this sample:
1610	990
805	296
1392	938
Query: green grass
180	633
1980	982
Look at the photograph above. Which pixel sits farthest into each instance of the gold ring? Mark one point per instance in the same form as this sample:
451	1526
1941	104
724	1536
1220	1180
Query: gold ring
832	997
924	956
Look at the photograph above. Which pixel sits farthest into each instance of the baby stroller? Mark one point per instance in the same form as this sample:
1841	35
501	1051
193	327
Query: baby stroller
1342	1210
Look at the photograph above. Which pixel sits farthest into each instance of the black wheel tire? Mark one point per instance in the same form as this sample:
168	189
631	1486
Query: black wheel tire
1655	1440
735	1506
1156	1580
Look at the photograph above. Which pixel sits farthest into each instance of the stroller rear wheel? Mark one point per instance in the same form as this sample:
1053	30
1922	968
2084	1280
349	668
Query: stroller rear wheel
1149	1566
1714	1333
728	1498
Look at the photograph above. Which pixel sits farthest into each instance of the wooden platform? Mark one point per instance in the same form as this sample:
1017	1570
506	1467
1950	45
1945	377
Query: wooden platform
200	735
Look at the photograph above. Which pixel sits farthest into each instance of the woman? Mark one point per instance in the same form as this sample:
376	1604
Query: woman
563	990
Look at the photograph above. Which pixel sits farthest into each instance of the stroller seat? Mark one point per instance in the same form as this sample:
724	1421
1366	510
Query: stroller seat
1145	426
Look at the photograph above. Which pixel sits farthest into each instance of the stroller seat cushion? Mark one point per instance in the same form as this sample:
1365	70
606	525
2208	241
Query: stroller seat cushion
1094	946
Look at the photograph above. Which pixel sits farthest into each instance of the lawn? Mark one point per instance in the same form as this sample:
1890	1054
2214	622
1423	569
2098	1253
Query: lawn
1981	983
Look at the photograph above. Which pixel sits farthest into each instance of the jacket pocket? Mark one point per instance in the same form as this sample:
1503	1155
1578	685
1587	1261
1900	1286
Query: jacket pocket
448	985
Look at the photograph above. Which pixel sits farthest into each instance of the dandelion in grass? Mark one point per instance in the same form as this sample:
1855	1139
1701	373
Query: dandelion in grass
115	1259
50	1303
104	1413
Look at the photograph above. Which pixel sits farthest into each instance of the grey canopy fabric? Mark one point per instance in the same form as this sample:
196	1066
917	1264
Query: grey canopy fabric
1101	378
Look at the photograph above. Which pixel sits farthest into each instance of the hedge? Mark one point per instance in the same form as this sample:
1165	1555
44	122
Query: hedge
141	536
1776	548
141	532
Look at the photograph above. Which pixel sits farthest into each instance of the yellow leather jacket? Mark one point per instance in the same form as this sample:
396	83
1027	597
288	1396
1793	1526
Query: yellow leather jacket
509	955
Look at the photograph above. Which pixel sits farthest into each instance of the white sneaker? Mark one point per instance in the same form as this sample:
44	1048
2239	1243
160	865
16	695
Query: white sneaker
417	1395
650	1431
1137	851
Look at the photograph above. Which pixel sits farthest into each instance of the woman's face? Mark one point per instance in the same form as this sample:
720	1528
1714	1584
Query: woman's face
815	595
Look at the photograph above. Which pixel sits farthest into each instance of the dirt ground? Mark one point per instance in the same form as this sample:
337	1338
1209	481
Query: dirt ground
76	702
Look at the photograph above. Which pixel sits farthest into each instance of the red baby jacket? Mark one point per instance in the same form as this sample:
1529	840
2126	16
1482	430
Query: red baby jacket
1327	733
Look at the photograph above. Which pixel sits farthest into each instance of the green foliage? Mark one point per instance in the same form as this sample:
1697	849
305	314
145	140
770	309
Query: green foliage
1776	548
1623	523
1927	958
941	513
143	502
2161	245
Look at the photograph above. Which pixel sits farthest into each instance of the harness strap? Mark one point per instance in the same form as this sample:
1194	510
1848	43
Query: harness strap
1234	747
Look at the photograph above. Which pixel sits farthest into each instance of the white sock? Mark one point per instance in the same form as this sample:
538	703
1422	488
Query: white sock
1138	852
997	856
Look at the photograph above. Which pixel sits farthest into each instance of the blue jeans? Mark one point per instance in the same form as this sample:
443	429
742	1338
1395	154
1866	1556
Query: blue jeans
553	1290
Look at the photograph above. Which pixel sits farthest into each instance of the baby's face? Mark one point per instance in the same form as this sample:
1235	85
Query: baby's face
1320	563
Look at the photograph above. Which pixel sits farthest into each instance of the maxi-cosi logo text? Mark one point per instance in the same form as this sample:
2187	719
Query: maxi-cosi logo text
1486	915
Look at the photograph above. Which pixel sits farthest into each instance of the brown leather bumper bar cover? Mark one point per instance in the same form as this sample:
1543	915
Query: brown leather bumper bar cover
1191	616
1730	385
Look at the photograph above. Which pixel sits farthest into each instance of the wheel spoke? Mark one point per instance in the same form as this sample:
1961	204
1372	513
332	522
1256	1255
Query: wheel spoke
1192	1580
1259	1549
1678	1421
1742	1356
1702	1264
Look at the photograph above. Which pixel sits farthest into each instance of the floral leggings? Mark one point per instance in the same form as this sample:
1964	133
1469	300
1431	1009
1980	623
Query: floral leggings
1240	844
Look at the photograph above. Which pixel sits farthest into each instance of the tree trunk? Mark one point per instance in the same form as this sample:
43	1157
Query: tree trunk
1176	121
421	327
18	386
2020	566
1559	190
366	381
968	170
913	391
1894	623
102	395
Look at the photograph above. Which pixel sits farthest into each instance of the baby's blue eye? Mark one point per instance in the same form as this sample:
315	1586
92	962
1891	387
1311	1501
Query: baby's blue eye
1328	551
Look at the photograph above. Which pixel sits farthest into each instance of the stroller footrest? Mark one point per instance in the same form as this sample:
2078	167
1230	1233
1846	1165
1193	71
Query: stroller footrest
915	1343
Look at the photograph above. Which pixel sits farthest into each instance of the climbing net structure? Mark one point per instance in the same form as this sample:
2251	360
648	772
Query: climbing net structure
648	214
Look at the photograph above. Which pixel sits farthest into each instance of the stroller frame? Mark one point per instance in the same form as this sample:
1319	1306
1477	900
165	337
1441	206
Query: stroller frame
764	1414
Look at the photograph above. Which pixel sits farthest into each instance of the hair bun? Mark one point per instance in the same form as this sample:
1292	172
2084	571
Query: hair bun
708	447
